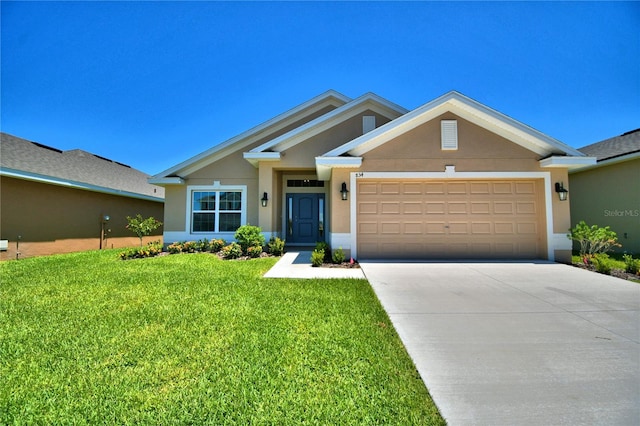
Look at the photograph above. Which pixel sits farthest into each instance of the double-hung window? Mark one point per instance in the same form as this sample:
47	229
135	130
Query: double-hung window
214	210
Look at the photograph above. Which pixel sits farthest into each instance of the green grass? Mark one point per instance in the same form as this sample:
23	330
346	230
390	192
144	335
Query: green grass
190	339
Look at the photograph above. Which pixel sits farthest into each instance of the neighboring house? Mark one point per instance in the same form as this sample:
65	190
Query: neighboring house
450	179
608	193
55	201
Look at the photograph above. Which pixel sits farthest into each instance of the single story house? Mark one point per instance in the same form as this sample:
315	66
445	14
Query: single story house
608	193
450	179
55	201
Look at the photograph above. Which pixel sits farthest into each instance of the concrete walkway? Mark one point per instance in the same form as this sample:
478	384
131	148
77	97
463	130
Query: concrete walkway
298	265
518	343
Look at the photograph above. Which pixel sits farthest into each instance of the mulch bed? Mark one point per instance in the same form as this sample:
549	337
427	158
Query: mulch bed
618	273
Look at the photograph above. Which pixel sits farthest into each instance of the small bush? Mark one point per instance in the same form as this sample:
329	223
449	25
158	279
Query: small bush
338	256
189	247
232	251
317	257
602	263
201	245
254	251
321	245
216	245
631	265
593	239
276	246
175	248
249	236
150	250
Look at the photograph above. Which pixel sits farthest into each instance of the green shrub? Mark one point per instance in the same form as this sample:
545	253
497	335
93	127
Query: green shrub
150	250
321	245
602	263
249	236
254	251
216	245
276	246
631	265
593	239
317	257
189	247
232	251
338	256
201	245
175	248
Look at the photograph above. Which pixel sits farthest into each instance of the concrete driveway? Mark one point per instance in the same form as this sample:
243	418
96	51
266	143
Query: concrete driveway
518	343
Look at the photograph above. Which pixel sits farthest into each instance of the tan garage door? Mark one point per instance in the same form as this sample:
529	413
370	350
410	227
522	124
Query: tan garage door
451	219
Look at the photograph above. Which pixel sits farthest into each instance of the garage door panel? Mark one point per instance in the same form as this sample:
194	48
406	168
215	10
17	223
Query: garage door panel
434	207
450	219
480	207
457	207
412	207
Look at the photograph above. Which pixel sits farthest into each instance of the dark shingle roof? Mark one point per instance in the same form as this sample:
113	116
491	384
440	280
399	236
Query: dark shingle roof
624	144
74	166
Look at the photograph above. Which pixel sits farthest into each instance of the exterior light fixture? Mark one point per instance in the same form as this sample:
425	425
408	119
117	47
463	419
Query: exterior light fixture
264	200
562	193
344	192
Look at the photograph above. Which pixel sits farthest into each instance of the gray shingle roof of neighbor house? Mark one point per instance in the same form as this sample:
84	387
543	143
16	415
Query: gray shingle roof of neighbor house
75	168
627	143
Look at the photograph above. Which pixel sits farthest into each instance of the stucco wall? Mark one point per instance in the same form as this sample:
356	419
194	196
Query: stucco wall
609	196
53	219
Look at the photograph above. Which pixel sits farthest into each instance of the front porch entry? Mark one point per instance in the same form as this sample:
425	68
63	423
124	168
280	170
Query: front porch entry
305	218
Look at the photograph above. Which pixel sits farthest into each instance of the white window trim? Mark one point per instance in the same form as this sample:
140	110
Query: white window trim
216	187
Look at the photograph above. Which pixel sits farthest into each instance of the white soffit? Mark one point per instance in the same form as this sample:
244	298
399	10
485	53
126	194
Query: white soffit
255	157
328	98
325	164
567	162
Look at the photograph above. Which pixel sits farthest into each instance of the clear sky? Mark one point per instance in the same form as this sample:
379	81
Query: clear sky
151	84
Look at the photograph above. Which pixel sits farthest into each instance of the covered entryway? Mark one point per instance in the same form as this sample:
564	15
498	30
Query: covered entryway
433	218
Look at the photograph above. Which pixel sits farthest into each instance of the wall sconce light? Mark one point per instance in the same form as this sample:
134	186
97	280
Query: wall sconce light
264	200
562	193
344	192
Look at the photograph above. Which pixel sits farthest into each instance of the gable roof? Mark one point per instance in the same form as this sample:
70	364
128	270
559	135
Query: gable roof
617	146
468	109
23	159
552	152
330	98
368	101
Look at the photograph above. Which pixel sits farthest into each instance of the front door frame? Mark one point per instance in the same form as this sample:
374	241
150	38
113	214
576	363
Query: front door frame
306	190
318	215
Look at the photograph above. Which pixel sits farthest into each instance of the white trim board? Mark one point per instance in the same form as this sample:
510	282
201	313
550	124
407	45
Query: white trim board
450	173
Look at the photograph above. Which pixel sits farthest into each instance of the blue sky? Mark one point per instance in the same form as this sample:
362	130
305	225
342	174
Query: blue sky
151	84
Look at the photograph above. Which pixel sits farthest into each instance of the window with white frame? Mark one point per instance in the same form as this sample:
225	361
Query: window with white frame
214	210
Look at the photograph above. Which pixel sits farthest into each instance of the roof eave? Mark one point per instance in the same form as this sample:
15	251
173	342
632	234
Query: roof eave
567	162
324	165
50	180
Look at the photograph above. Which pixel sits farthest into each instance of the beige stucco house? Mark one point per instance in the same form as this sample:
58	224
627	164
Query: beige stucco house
54	201
450	179
608	193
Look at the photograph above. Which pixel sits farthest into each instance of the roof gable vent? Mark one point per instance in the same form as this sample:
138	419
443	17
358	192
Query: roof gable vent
449	134
368	123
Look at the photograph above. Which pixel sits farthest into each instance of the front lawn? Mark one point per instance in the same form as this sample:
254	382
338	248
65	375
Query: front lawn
87	338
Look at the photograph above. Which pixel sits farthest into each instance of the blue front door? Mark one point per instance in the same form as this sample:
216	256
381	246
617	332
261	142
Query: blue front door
305	218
